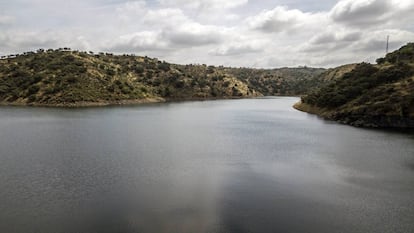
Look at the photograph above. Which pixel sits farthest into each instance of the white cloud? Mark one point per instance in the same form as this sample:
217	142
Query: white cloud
361	12
234	32
335	35
167	17
163	29
131	10
5	19
366	13
194	34
282	19
22	41
204	4
139	42
276	20
239	48
374	41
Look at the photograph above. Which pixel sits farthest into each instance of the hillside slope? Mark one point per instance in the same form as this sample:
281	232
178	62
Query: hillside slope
379	95
280	82
71	78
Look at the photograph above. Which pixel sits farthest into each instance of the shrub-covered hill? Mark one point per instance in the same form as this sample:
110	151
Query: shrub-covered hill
71	78
379	95
64	77
281	82
334	74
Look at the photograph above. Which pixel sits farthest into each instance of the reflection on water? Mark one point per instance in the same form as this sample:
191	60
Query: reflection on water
216	166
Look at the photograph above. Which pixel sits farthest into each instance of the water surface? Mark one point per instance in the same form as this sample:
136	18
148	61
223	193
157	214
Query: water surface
253	165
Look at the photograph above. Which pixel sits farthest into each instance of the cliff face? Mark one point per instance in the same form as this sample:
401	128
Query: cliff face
71	78
379	95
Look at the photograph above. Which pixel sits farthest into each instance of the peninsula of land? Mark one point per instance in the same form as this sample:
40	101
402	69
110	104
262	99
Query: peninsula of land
367	95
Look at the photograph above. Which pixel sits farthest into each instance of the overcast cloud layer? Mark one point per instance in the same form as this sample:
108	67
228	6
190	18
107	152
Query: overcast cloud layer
262	33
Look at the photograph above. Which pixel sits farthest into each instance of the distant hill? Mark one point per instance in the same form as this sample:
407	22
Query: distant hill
369	95
280	82
64	77
334	74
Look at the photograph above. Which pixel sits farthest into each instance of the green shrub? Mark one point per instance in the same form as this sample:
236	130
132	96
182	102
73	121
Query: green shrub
139	69
110	72
31	98
164	66
33	90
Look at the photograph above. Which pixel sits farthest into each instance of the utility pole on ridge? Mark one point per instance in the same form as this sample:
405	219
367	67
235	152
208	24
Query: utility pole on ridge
386	49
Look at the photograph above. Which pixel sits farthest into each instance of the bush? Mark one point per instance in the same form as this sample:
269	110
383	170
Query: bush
179	84
139	69
118	82
68	58
49	90
33	89
110	72
31	98
111	88
72	79
125	90
164	66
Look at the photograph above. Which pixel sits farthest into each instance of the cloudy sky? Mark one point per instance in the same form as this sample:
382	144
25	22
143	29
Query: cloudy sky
251	33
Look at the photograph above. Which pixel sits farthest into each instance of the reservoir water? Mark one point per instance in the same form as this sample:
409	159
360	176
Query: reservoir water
251	165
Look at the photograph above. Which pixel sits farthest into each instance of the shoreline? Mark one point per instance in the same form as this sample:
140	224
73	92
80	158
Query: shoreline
358	120
309	109
86	104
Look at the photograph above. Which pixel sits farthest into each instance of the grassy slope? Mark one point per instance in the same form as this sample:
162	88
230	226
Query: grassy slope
370	95
72	78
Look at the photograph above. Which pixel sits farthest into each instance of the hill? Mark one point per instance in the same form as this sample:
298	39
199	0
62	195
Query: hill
63	77
280	82
380	95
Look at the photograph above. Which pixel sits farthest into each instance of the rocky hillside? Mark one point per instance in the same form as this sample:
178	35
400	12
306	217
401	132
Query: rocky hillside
369	95
64	77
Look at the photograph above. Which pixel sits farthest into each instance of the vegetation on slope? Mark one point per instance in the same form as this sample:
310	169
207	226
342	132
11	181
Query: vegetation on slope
280	82
62	77
71	78
370	95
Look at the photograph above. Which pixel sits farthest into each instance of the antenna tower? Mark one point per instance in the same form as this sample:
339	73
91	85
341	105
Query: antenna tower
386	49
